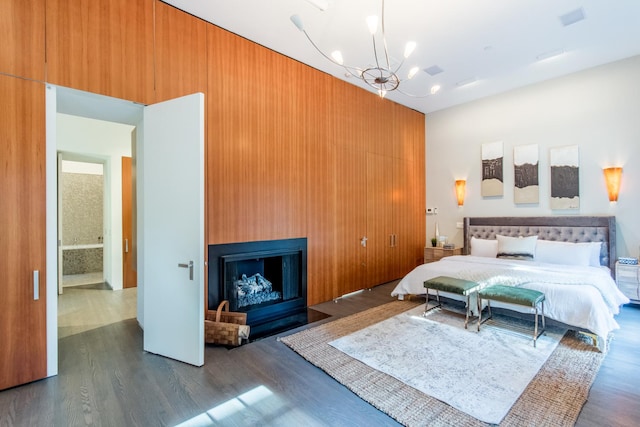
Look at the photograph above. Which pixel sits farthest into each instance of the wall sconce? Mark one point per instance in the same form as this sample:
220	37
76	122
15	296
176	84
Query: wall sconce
460	189
613	176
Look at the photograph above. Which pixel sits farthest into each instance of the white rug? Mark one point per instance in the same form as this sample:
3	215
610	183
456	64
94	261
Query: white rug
481	374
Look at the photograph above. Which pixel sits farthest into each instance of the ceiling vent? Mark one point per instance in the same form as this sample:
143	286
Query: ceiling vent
433	70
572	17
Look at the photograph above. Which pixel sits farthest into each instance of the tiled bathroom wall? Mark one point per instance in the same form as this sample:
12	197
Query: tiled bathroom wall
82	221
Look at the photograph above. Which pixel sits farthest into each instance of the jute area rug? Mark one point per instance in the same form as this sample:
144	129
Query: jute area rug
554	397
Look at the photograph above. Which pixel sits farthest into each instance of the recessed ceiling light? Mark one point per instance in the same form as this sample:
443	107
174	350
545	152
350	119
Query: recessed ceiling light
435	89
572	17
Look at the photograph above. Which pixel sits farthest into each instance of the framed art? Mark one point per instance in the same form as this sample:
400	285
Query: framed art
492	161
565	173
525	171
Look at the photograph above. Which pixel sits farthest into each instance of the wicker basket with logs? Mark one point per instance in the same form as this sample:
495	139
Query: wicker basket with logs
225	327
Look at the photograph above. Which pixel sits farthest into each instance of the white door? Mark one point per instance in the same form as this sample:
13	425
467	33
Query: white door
171	226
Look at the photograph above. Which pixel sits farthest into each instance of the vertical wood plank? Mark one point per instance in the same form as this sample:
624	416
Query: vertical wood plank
351	219
22	46
102	46
180	53
381	256
409	187
256	152
23	355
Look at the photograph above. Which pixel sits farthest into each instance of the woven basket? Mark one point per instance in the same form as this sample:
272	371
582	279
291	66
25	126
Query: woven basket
225	327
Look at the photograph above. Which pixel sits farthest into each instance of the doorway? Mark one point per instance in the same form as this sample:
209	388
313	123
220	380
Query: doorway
90	223
80	222
170	215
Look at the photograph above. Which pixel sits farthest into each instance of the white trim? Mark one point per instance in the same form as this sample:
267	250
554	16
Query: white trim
51	174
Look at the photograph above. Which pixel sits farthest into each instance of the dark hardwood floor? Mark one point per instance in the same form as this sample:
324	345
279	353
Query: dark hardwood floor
105	379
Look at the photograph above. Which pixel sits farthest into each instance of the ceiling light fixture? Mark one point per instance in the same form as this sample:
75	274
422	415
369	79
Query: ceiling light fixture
320	4
466	82
381	76
550	54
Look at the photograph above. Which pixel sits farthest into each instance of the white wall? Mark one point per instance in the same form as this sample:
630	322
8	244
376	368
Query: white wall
108	141
597	109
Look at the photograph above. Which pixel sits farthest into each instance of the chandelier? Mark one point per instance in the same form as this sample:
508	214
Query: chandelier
381	76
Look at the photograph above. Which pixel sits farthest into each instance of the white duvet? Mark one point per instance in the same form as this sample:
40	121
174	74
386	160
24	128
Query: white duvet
584	297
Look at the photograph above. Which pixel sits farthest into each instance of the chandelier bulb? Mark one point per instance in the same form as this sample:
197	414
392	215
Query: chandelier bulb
372	23
409	48
297	21
337	56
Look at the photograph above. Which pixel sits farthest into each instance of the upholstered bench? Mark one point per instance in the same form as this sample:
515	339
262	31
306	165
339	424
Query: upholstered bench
453	285
512	295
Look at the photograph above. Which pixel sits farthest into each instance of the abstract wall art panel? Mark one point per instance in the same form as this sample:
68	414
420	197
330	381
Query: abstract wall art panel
565	182
525	172
492	160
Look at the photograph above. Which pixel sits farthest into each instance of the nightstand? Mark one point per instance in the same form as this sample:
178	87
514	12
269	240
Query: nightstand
435	254
628	280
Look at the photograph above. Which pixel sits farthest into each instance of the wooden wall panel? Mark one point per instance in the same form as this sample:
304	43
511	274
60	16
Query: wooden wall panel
256	151
317	123
180	53
408	214
23	355
409	186
102	46
293	152
22	45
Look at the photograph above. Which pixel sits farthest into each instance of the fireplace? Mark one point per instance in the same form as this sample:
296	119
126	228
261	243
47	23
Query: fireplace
265	279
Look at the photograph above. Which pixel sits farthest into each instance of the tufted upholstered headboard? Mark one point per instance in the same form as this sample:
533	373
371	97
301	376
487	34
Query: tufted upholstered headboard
557	228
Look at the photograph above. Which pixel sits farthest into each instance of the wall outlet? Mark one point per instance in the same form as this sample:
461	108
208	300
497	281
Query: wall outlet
459	225
432	211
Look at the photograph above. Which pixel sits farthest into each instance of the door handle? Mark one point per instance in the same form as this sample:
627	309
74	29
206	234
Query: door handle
126	246
363	242
190	267
36	285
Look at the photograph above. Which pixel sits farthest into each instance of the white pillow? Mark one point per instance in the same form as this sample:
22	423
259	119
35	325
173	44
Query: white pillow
517	247
584	253
484	247
594	250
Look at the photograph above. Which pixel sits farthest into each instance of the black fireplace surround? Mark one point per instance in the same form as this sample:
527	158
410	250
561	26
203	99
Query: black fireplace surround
265	279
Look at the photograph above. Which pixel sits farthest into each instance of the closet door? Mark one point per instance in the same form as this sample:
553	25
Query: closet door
351	220
381	253
23	351
408	214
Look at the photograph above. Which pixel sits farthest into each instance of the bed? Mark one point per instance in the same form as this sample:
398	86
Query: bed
570	259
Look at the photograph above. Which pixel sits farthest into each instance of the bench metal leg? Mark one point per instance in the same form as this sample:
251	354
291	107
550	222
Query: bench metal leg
535	328
489	316
426	305
466	318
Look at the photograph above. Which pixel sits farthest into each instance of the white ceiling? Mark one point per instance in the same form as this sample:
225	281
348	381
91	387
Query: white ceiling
495	42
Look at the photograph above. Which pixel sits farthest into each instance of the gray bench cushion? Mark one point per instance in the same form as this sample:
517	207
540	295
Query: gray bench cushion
513	295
